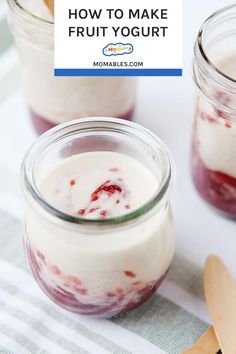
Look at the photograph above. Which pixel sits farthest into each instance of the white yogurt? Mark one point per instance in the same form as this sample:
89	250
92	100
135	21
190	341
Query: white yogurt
60	99
216	136
98	257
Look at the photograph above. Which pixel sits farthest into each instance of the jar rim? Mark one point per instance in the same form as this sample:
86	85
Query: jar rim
200	45
80	125
22	11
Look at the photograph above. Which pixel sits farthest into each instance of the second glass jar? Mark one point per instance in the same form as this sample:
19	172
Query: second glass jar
53	100
214	138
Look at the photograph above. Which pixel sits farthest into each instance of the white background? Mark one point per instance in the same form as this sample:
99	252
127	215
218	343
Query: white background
165	105
154	52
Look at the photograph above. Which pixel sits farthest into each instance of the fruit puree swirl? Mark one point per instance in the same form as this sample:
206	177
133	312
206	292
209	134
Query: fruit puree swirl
99	187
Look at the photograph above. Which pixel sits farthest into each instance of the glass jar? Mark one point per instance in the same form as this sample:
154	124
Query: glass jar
99	267
214	138
54	100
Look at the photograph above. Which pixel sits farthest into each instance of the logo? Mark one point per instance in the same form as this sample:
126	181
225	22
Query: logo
113	49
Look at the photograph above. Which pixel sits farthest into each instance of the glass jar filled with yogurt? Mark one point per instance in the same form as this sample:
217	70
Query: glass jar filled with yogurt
54	100
214	138
98	227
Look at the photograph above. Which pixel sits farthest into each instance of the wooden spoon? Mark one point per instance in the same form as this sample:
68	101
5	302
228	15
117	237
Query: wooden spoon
206	344
220	292
50	5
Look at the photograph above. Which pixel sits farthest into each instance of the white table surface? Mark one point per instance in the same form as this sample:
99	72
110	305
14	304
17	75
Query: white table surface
164	105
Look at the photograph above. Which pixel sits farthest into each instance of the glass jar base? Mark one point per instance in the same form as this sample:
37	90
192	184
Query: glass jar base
41	124
216	188
117	305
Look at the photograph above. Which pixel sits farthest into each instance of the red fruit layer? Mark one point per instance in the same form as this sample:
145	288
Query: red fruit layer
217	188
114	303
41	124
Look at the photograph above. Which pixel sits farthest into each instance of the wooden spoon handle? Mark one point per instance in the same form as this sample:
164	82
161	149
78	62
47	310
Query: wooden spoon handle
206	344
50	5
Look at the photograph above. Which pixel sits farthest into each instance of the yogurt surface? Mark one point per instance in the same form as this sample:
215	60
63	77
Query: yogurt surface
98	185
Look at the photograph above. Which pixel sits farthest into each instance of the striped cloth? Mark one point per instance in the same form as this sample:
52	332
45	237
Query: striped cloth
29	322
